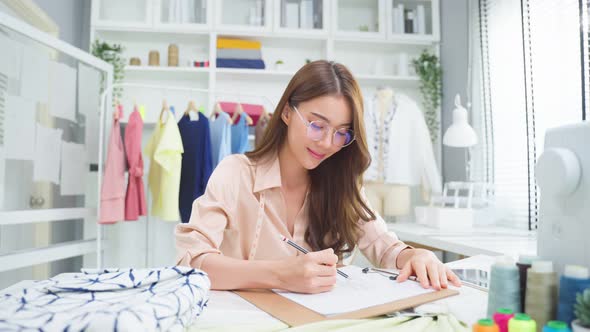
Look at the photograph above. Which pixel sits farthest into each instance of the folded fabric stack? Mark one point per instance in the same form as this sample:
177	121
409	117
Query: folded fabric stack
163	299
239	53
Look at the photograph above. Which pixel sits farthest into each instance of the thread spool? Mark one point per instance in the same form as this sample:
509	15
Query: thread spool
541	293
574	280
522	323
504	289
154	58
523	264
485	325
134	62
501	317
173	55
556	326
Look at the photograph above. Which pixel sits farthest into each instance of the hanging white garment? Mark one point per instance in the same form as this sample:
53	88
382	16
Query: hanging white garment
400	146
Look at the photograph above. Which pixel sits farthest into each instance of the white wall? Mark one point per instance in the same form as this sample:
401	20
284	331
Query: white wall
454	59
72	17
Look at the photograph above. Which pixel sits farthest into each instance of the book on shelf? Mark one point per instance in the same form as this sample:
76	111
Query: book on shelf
421	19
291	15
306	14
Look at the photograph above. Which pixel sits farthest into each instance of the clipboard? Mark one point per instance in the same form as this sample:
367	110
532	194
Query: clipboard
294	314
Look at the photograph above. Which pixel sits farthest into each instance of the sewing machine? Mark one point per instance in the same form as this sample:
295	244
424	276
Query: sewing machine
563	176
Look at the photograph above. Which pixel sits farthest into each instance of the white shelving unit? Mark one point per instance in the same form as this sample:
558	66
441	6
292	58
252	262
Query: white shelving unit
359	34
331	30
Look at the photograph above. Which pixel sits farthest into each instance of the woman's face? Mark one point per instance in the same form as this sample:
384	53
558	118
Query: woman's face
334	111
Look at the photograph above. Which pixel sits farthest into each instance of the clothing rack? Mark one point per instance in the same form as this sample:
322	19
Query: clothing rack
106	95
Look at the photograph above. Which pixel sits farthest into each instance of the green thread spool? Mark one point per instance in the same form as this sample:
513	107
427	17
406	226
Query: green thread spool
522	323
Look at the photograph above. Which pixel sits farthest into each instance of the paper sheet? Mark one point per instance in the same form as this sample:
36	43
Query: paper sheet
359	291
3	83
34	82
10	61
19	128
88	89
73	169
2	176
89	81
62	101
47	154
91	132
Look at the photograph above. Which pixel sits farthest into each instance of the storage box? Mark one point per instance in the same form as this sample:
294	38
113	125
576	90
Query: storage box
447	218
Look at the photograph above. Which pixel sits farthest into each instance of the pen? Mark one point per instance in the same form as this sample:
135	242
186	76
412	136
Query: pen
393	275
303	250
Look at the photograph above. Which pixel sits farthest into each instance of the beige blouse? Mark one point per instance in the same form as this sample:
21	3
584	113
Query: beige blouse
243	215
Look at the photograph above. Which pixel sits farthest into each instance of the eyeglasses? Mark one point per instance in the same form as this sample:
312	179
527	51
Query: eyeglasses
317	130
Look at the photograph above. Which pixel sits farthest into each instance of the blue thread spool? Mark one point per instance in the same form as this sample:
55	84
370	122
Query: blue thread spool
556	326
504	286
575	279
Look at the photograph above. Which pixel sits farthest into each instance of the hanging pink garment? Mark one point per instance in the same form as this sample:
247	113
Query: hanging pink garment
112	195
135	204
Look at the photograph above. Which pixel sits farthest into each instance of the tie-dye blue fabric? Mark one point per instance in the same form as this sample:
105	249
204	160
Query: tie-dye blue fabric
162	299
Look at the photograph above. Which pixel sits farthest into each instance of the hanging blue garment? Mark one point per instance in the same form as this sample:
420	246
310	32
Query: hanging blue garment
239	136
197	164
220	137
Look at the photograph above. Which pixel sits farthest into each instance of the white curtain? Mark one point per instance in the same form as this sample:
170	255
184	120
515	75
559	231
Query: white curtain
532	80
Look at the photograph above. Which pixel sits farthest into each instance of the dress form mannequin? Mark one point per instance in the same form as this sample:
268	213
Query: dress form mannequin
388	199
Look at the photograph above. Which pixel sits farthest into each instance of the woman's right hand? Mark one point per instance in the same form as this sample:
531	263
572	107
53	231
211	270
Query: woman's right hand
314	272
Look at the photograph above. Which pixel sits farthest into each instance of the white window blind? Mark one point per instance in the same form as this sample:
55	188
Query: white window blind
531	73
585	56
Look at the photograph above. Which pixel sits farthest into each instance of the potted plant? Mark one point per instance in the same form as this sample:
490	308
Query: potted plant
428	69
279	65
582	312
113	54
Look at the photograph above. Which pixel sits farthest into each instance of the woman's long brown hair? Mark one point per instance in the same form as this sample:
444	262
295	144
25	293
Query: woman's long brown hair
335	202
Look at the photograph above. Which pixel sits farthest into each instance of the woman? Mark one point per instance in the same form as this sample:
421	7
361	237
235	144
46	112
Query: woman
304	182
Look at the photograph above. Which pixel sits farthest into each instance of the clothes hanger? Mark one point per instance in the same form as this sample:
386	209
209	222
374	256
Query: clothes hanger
240	111
118	110
264	113
192	108
135	107
236	113
217	111
164	110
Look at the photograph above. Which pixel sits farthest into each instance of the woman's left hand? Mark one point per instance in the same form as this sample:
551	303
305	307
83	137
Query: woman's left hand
429	270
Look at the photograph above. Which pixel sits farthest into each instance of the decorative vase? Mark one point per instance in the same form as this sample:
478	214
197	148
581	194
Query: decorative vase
577	327
173	55
154	58
134	62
